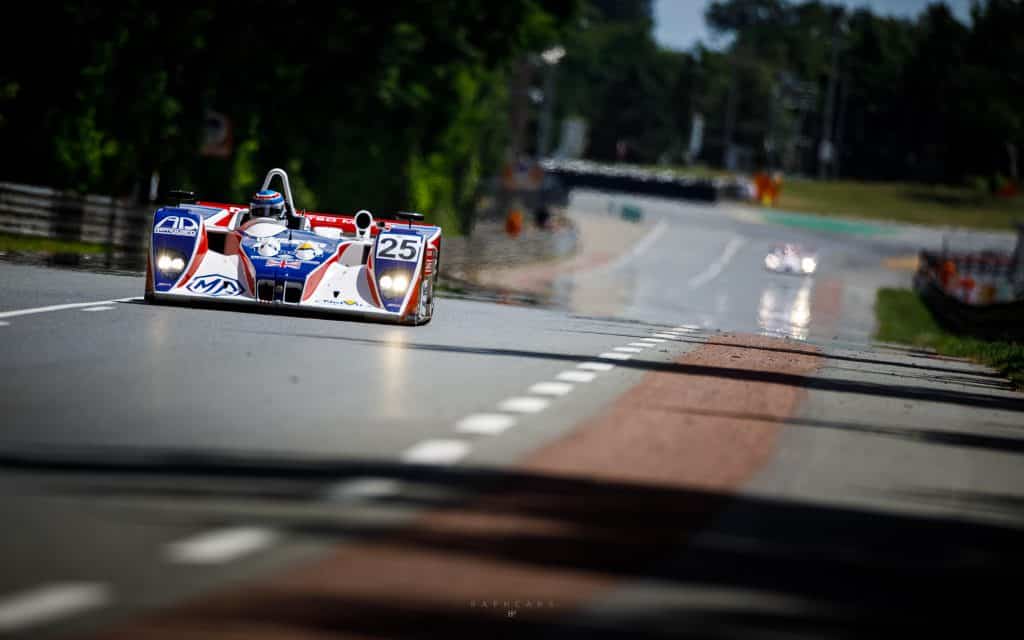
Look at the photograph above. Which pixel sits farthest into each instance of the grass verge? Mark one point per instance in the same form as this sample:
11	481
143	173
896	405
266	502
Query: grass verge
904	319
10	242
902	202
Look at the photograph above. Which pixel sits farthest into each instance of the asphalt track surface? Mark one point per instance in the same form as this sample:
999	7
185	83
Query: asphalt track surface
155	455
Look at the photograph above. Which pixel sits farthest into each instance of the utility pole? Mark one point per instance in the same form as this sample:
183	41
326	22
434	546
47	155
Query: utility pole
826	152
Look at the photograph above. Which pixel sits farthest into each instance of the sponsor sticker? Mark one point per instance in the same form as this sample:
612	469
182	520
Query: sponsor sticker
284	263
177	226
215	285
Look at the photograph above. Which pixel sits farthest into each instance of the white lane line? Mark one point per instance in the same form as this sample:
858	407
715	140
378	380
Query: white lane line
61	307
104	308
667	336
485	423
654	340
524	404
576	376
368	487
642	345
50	602
596	366
718	265
551	388
436	452
627	349
4	324
688	327
613	355
641	246
220	545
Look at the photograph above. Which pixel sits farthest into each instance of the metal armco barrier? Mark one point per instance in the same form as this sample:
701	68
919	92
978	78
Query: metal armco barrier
49	213
635	180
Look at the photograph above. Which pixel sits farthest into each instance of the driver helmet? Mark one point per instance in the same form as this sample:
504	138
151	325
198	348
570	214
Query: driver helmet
267	204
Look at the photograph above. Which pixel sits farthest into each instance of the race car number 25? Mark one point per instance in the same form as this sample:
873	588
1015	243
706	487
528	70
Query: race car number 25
404	248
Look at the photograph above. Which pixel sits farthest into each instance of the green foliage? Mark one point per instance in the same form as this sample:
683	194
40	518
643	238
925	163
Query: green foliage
364	107
904	319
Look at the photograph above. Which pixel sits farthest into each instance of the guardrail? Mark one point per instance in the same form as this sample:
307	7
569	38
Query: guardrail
638	180
48	213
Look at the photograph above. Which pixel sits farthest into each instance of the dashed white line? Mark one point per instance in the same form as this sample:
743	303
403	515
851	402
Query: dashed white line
485	423
551	388
61	307
576	376
103	308
220	545
667	336
614	355
368	487
627	349
50	602
719	264
654	340
642	345
596	366
4	324
436	452
524	404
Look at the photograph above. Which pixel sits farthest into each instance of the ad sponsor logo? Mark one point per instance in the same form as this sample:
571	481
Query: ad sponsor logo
345	302
177	226
215	285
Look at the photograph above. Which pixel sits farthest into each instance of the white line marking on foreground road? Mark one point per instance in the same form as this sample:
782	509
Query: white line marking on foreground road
485	423
220	545
368	487
524	404
718	265
50	602
643	345
551	388
596	366
436	452
61	307
4	324
653	339
105	308
576	376
628	349
613	355
667	336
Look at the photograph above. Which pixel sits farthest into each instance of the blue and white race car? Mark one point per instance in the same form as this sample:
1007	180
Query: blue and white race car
273	255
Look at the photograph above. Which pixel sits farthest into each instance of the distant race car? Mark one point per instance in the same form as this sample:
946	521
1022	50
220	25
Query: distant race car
791	258
270	254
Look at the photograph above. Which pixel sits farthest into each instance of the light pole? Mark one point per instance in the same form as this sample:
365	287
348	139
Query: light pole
551	58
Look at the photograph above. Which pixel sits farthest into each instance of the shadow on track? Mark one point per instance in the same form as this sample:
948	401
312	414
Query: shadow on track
753	567
905	392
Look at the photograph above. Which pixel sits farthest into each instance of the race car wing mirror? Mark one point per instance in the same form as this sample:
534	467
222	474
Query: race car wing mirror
409	216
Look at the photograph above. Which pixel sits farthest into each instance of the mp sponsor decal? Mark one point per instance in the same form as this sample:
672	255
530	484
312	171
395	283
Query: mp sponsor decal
177	226
215	285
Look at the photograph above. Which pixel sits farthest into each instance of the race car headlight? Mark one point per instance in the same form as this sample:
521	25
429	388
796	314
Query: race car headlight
394	285
771	261
808	265
170	263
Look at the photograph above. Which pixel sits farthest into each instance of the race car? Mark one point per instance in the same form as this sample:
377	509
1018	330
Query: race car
269	254
791	258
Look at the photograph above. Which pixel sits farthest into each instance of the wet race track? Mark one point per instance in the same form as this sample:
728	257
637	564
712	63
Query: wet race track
681	443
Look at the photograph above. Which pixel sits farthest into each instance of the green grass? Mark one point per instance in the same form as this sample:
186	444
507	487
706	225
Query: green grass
904	319
901	202
10	242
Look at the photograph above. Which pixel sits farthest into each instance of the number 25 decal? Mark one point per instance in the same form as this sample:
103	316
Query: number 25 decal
391	248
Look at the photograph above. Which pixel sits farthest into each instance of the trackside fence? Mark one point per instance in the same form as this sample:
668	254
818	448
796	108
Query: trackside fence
48	213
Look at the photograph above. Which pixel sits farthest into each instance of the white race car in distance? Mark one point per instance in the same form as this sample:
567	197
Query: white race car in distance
791	258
